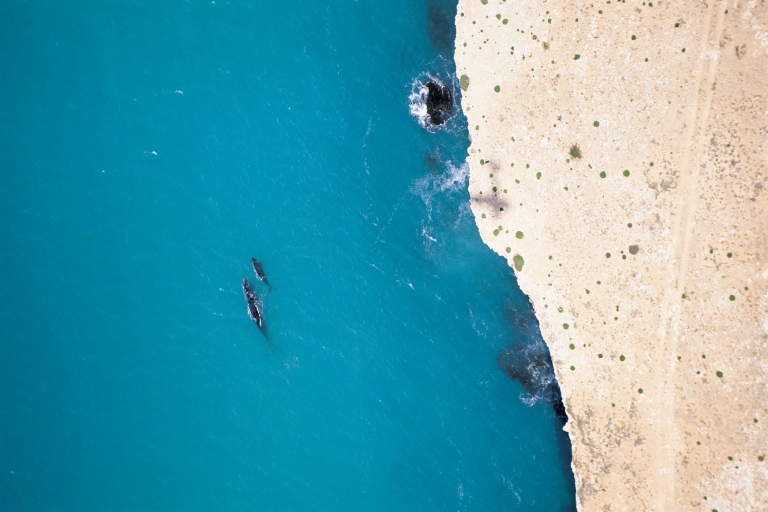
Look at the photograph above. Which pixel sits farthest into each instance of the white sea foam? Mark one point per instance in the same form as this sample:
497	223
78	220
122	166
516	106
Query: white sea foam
543	375
417	104
454	179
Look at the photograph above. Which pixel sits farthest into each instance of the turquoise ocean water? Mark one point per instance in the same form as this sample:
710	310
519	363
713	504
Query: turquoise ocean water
148	149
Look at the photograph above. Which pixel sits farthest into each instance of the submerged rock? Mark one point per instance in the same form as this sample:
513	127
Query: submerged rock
441	25
531	366
439	103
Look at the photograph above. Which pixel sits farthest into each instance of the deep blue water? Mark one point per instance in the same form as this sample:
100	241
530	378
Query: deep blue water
148	149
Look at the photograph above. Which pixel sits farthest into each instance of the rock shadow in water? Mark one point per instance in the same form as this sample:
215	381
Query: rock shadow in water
531	366
528	362
441	25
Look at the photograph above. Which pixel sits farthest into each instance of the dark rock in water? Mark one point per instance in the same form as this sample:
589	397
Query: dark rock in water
558	405
532	367
439	103
441	25
433	160
521	319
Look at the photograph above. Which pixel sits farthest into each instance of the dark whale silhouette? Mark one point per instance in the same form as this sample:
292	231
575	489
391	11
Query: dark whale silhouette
254	308
439	102
260	272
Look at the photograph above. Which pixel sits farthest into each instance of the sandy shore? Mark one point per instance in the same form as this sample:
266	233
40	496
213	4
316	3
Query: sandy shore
619	160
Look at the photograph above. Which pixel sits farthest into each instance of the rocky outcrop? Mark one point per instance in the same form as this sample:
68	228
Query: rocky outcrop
439	103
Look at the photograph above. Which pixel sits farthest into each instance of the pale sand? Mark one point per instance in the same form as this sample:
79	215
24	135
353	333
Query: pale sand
691	129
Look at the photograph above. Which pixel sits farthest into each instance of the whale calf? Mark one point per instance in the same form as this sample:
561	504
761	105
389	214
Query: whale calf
254	308
260	272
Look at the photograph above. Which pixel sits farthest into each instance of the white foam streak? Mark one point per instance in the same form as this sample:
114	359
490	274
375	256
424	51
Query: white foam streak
453	180
417	105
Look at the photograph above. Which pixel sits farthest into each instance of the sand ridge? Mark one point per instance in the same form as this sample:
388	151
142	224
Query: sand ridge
619	161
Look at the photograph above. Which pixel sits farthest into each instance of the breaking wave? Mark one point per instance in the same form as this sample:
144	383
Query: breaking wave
417	104
453	180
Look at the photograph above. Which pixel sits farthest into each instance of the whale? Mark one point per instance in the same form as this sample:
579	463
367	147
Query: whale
260	272
254	307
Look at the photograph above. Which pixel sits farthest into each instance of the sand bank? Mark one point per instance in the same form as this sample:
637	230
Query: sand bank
619	160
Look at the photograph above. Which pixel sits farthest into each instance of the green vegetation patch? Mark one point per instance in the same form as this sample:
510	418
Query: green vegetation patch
464	82
518	262
719	374
519	235
634	249
497	88
575	151
576	57
566	326
596	124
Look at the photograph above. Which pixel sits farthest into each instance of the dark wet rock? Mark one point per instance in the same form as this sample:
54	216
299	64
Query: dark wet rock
558	405
439	103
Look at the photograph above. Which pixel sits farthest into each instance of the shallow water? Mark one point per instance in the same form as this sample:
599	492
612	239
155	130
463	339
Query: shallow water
148	151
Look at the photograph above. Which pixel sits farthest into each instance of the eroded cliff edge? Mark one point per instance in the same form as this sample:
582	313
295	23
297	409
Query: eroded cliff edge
619	160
